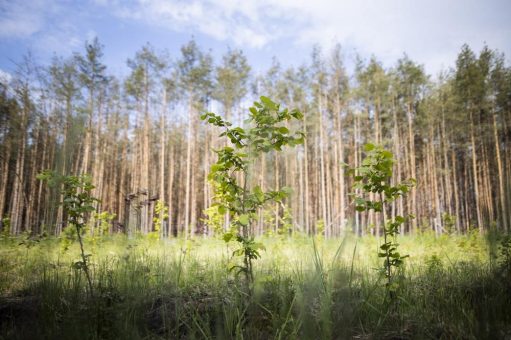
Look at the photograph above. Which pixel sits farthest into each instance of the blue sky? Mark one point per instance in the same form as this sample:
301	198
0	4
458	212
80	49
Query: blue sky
430	32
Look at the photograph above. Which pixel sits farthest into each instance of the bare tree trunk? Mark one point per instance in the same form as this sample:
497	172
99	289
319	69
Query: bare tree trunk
487	188
29	212
162	161
340	150
502	194
17	205
411	142
88	136
434	183
306	182
4	177
193	198
188	170
475	175
397	154
457	208
324	216
170	190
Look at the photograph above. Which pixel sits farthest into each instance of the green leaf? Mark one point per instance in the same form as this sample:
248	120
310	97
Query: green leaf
259	194
400	219
385	246
283	130
238	252
216	167
268	103
227	237
296	114
387	154
243	219
369	147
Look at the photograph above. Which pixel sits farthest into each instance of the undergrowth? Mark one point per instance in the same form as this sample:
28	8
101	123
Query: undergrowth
304	288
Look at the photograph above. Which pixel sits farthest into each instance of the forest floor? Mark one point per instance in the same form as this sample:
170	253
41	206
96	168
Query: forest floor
452	287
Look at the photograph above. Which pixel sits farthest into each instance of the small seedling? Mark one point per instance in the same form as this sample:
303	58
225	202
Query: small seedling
374	176
78	204
161	214
230	175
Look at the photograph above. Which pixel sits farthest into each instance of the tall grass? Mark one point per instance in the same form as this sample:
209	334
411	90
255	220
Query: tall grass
305	288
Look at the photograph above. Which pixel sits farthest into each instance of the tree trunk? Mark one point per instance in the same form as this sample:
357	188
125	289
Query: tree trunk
411	142
475	177
502	194
188	169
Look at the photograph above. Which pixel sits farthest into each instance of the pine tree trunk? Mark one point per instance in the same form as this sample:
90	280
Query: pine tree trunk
502	194
170	190
88	136
411	142
306	182
188	181
162	162
4	176
475	177
322	178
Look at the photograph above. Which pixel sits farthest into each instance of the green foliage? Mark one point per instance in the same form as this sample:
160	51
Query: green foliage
231	78
374	176
6	225
97	229
286	227
173	291
268	216
449	223
434	264
161	214
194	72
30	241
264	134
78	204
67	238
146	67
320	229
505	252
92	73
214	220
104	221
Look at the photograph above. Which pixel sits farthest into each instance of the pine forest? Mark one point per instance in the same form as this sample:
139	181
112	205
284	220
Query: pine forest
142	142
200	196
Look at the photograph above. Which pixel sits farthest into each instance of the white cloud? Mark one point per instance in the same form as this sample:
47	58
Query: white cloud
63	41
243	22
21	19
5	77
431	32
45	26
427	30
